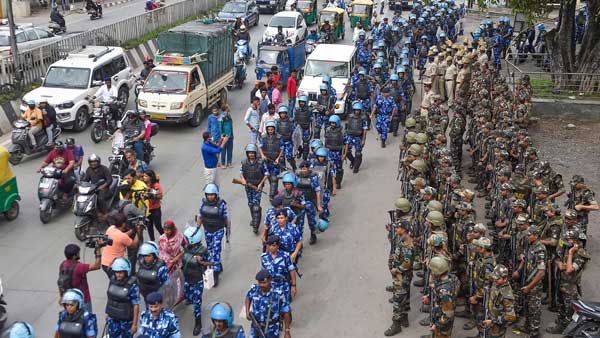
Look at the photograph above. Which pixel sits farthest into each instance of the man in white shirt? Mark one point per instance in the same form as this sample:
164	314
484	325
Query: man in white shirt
271	115
107	93
252	119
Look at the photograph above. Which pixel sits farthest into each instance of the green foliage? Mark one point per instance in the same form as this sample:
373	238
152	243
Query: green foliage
532	9
16	92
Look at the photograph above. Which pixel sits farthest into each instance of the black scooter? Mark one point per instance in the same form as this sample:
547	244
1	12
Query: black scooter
50	196
21	145
85	207
585	320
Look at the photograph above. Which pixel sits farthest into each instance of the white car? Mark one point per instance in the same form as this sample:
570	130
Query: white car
293	24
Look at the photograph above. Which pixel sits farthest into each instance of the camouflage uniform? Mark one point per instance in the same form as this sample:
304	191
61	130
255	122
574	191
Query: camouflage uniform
443	300
457	129
536	261
501	309
402	272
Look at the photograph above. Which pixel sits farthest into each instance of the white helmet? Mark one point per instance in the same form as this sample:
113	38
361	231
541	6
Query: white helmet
242	28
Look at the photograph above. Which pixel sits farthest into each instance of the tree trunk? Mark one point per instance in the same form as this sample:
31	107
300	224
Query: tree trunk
588	60
560	42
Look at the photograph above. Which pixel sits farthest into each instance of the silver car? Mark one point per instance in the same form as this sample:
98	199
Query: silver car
28	37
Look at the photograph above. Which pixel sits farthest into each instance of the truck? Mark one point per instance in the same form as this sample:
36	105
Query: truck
286	58
194	68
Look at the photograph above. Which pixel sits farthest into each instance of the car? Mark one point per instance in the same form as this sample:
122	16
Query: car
28	37
400	5
294	26
246	10
69	81
272	6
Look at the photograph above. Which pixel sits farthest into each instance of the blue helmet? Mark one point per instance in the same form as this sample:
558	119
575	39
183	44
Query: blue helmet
400	70
322	224
394	77
251	148
381	44
541	27
357	106
211	188
303	98
327	79
420	20
322	152
405	63
31	102
476	35
21	330
121	264
424	37
222	311
380	54
316	143
442	35
148	248
323	87
377	66
193	235
289	178
412	17
362	72
283	109
271	124
73	295
335	119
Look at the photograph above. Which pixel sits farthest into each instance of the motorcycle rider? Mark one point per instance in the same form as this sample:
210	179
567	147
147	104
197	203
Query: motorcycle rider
91	4
93	174
280	37
148	65
243	35
77	151
50	122
61	158
313	35
326	31
107	94
132	125
36	120
55	16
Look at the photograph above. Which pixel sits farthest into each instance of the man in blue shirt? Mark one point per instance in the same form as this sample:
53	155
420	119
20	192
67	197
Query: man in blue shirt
210	154
157	322
268	306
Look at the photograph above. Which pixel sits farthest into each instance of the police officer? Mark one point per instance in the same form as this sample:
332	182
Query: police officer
334	142
362	90
304	119
253	175
292	200
396	93
442	299
500	305
457	129
355	137
584	201
266	307
158	322
74	320
325	172
19	330
221	315
309	187
401	263
281	267
123	303
290	238
271	152
194	261
277	205
214	216
152	271
325	105
384	108
285	129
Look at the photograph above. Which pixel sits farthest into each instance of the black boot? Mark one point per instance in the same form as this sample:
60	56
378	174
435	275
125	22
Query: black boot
394	329
382	143
357	162
256	212
216	277
339	176
273	182
350	158
197	326
404	320
305	150
313	238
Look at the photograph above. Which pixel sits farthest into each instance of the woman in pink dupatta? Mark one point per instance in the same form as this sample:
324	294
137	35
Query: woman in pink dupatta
170	245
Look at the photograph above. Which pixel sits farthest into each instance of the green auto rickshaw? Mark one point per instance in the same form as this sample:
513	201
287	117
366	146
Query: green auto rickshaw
308	8
335	16
362	10
9	193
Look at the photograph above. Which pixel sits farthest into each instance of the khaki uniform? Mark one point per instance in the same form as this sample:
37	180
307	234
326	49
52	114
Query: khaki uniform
441	71
449	81
431	75
426	102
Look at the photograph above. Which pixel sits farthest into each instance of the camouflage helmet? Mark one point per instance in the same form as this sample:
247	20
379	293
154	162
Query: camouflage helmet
438	266
484	243
572	234
421	138
411	137
455	178
415	150
522	218
434	205
402	204
500	271
570	214
484	92
532	230
578	179
520	203
419	165
480	228
436	240
410	122
428	191
435	218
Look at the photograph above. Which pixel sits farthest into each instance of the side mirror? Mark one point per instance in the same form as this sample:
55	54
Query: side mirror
266	25
97	83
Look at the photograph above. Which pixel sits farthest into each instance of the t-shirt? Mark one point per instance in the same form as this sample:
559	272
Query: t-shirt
155	203
60	161
79	278
120	241
209	154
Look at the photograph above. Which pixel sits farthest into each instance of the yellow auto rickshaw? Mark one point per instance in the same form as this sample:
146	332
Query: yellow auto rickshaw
335	16
361	10
9	193
308	8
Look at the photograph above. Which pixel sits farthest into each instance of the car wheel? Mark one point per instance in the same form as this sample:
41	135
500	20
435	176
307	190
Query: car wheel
81	119
197	117
124	95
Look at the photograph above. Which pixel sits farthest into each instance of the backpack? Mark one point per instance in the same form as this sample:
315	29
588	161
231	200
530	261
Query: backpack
65	277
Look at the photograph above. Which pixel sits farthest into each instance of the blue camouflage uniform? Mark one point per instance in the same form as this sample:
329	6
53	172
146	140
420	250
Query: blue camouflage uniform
253	196
321	118
280	268
122	328
310	208
384	108
365	102
192	292
325	192
270	219
162	275
364	56
498	44
289	236
272	168
165	326
214	239
288	146
240	334
355	142
406	96
273	303
90	323
335	156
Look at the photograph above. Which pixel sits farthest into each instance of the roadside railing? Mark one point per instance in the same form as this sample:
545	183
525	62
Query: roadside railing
550	85
34	62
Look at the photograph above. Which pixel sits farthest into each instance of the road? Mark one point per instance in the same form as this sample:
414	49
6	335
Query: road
341	293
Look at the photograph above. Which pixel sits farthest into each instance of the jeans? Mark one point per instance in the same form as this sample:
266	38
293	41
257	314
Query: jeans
138	147
49	133
32	132
227	152
253	135
291	106
155	219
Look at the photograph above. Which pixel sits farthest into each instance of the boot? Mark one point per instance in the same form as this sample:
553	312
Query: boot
256	212
350	158
299	152
357	162
419	282
273	182
313	238
391	300
339	176
216	276
404	320
292	162
394	329
556	329
469	325
197	326
389	288
382	143
425	321
305	150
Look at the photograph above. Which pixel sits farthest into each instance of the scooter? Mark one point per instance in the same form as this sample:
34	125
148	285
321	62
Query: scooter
56	28
239	73
50	195
3	312
311	44
21	145
85	207
139	84
585	320
117	163
244	52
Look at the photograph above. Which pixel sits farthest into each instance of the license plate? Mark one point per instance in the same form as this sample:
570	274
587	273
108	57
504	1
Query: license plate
81	198
158	117
575	316
44	185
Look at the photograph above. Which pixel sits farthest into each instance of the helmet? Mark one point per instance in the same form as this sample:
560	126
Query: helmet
242	28
410	137
283	109
316	143
222	311
327	79
409	123
402	204
73	295
400	70
381	43
434	205
500	271
419	166
394	77
211	188
59	145
148	248
20	330
94	158
357	106
271	124
251	148
121	264
289	178
438	266
421	138
436	240
193	235
323	87
436	218
377	66
484	242
31	102
362	33
70	141
335	119
541	27
572	234
415	150
362	72
303	98
322	152
322	224
380	54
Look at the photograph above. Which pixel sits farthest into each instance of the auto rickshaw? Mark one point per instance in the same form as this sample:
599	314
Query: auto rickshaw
9	193
308	8
361	10
335	16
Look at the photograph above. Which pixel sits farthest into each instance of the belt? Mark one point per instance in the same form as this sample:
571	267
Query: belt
280	280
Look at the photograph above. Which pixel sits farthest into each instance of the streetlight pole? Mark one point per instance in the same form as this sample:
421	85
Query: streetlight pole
13	41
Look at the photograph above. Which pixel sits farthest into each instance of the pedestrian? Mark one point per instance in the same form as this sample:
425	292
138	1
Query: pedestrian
264	101
213	125
152	272
210	155
195	261
120	240
78	154
292	88
158	322
221	315
170	246
75	318
155	196
275	75
255	92
226	128
277	96
252	119
123	304
271	116
73	274
267	308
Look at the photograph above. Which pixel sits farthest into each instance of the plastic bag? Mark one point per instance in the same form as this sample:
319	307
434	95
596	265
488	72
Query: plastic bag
172	290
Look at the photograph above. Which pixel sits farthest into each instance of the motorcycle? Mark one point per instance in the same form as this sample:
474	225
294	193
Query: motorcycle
103	123
21	145
85	207
239	74
3	312
243	50
148	148
117	163
93	10
311	44
56	28
50	195
585	320
139	84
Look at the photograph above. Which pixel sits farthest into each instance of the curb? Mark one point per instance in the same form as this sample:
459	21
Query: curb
137	55
9	112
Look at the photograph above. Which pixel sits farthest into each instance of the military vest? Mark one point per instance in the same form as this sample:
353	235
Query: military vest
270	146
212	220
147	276
302	116
284	128
354	126
334	139
305	187
253	172
118	304
73	327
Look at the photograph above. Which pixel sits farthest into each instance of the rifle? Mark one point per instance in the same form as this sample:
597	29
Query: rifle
559	258
256	325
446	198
571	202
532	206
469	272
392	233
486	311
524	272
249	185
400	157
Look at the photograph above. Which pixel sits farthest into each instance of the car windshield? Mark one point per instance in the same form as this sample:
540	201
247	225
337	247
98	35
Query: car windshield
268	56
304	4
283	21
234	7
4	40
331	68
166	82
67	77
360	9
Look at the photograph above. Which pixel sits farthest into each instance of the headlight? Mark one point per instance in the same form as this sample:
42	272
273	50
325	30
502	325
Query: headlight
115	151
66	105
176	105
143	103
